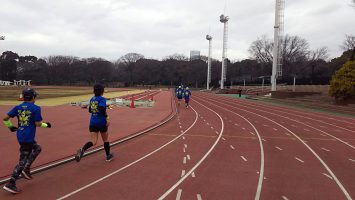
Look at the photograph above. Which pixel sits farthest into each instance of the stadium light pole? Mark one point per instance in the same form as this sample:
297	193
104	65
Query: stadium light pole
209	38
224	19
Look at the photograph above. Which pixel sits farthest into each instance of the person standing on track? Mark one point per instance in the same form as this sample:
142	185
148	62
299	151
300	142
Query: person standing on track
29	117
179	94
187	95
99	122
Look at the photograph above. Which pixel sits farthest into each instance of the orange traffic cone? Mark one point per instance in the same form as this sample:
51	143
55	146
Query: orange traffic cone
21	98
132	102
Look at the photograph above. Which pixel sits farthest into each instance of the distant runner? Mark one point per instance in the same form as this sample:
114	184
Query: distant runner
187	95
29	117
179	94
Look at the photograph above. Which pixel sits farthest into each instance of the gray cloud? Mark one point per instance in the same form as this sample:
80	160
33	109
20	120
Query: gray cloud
157	28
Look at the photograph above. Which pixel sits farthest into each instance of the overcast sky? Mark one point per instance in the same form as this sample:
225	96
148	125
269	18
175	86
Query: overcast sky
158	28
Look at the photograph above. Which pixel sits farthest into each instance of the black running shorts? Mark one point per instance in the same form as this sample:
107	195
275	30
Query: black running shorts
101	129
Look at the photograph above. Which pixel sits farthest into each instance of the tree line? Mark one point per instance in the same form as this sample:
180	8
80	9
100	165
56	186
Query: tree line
309	66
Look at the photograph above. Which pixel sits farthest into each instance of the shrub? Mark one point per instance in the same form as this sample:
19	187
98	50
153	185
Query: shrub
342	84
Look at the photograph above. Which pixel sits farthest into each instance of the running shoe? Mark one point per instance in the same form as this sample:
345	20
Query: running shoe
26	174
11	188
109	157
79	155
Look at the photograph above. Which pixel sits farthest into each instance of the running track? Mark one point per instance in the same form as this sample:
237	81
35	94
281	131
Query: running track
220	148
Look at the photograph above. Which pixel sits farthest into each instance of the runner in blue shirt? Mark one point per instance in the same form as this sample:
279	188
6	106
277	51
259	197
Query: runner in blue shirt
187	95
29	117
179	94
98	123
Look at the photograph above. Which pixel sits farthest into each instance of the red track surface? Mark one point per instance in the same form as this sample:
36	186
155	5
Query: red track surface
220	148
70	130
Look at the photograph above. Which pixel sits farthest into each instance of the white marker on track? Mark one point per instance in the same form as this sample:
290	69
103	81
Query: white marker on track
299	160
178	195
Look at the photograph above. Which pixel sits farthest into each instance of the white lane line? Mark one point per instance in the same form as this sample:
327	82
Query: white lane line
299	160
217	132
252	133
178	195
193	175
130	164
275	129
182	173
231	146
199	197
185	145
184	160
188	156
172	188
340	185
324	149
184	150
262	156
278	148
284	198
223	138
327	175
244	158
351	160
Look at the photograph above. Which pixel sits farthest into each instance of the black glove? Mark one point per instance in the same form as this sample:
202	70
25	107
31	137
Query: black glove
13	128
49	125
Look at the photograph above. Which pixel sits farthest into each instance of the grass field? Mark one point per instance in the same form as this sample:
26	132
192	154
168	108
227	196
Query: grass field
55	95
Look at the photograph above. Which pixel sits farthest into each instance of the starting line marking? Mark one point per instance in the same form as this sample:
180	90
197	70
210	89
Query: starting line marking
232	147
182	173
244	158
183	149
193	175
188	157
199	197
275	129
325	149
217	132
178	195
351	160
252	133
284	198
278	148
299	160
184	161
185	145
223	138
327	176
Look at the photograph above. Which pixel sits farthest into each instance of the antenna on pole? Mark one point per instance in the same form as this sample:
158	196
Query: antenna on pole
278	35
209	38
224	19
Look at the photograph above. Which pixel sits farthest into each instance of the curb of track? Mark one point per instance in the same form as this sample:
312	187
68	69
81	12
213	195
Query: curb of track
63	161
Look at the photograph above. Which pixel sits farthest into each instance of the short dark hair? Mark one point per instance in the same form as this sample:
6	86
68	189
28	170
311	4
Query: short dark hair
28	94
98	89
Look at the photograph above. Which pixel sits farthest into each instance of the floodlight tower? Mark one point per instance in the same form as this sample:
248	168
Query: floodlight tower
224	20
278	35
209	38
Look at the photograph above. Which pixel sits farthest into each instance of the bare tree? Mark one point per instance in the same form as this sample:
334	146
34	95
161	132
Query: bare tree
261	50
349	45
293	49
315	57
129	61
177	56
